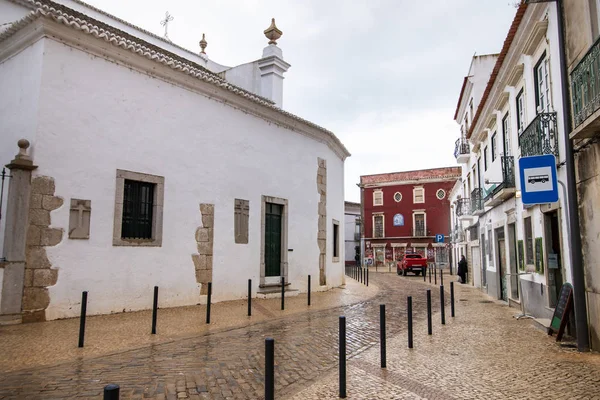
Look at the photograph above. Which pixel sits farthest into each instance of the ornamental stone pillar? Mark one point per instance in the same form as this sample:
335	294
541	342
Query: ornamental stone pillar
17	213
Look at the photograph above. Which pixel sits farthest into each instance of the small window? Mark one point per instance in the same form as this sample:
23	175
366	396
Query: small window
418	195
138	209
542	85
378	198
336	240
528	241
520	111
506	134
494	147
241	215
485	164
419	228
397	197
378	226
440	194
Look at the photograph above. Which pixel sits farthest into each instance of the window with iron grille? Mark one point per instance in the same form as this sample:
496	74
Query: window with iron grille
138	198
528	241
138	209
441	255
378	226
336	240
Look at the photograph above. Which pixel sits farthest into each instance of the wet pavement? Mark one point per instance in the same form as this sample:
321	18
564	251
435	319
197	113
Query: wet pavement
482	353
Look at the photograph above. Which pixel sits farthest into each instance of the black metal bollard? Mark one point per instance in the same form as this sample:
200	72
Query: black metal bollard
360	277
154	310
283	293
434	275
249	297
269	369
367	276
429	328
429	268
424	272
442	305
111	392
208	302
442	277
410	321
309	290
382	335
342	357
82	318
452	299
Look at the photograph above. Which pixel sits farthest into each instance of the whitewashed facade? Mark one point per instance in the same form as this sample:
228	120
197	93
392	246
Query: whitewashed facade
521	250
100	109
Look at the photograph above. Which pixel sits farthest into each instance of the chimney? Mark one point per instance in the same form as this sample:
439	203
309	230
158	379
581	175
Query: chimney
272	67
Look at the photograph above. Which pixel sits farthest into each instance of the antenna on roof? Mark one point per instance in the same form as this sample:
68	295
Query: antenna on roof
165	23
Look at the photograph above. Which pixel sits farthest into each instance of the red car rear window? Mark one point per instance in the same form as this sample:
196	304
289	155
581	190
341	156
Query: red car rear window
413	256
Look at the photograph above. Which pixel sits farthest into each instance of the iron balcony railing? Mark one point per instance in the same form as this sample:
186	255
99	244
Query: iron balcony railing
585	85
540	137
458	235
461	147
476	200
508	176
419	232
463	207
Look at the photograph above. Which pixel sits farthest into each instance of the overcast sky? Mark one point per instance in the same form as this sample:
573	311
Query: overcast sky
383	75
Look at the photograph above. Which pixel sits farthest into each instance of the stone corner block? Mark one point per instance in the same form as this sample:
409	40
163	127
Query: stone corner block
35	298
207	209
45	277
205	248
51	203
42	185
203	234
207	221
39	217
51	236
36	258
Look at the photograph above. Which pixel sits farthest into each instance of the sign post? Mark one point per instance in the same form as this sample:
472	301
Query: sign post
539	184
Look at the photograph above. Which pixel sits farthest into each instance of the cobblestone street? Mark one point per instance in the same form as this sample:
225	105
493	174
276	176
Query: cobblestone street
482	353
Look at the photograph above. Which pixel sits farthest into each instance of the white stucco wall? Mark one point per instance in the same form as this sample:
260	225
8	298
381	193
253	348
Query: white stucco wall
20	78
117	118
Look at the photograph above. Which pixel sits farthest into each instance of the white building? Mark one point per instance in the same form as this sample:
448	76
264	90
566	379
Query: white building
518	252
351	230
153	165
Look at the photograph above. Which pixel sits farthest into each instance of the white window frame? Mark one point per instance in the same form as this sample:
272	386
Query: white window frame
438	197
414	225
520	111
415	191
382	225
543	85
400	194
378	195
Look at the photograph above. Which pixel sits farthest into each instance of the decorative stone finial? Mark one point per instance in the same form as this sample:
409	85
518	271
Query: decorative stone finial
203	44
22	160
272	33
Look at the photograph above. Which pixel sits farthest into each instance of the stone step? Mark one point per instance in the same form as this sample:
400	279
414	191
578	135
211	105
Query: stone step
273	292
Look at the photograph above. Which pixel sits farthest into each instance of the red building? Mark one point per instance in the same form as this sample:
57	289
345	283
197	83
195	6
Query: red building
405	211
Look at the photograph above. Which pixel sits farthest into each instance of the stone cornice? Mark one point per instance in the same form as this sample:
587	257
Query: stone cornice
48	22
533	14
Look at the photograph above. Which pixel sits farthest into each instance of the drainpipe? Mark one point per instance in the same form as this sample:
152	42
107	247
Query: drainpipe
577	269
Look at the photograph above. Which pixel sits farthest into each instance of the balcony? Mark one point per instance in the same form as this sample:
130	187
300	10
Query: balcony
585	94
463	210
477	202
462	150
420	232
540	137
458	234
505	189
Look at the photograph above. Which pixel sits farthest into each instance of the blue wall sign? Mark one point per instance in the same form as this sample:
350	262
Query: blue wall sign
439	238
398	220
538	179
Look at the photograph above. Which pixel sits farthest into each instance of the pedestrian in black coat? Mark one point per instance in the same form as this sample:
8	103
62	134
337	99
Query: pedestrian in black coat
462	269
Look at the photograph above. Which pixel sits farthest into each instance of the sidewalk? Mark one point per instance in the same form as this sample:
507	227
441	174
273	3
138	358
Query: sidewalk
482	353
53	342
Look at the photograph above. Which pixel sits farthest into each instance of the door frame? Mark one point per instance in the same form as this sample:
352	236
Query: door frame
264	280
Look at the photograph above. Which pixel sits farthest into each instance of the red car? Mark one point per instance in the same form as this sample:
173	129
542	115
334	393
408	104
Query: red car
412	262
